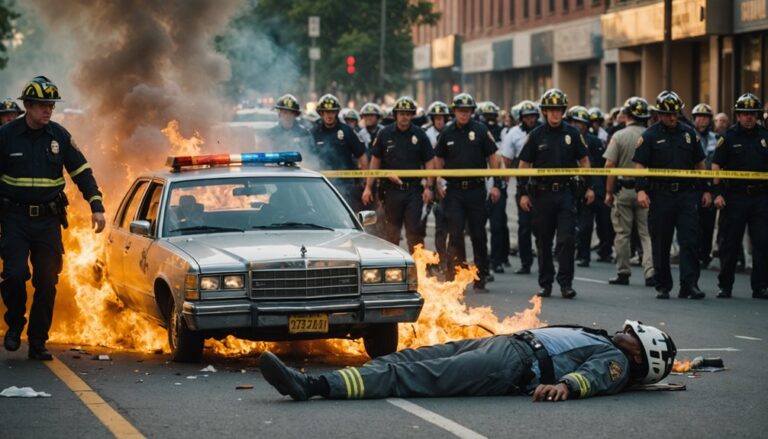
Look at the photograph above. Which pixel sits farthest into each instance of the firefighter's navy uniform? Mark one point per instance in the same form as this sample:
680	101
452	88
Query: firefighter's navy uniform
33	212
584	359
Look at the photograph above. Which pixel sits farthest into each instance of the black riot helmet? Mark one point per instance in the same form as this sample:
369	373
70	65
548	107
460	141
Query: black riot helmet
9	105
748	103
669	102
554	98
328	102
405	104
637	108
463	100
40	89
288	102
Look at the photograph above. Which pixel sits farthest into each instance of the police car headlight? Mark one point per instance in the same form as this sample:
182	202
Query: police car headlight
394	275
371	276
208	283
234	282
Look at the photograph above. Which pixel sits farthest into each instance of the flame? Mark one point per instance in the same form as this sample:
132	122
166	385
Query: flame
682	366
90	313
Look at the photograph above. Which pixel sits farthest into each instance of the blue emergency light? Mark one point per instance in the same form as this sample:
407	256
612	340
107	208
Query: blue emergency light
248	158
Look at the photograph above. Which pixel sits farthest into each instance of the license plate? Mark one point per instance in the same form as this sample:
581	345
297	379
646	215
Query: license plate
308	323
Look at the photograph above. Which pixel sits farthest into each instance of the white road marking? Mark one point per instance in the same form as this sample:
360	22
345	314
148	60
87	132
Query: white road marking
709	349
595	281
446	424
745	337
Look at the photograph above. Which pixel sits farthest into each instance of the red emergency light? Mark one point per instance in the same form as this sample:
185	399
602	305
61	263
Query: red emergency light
249	158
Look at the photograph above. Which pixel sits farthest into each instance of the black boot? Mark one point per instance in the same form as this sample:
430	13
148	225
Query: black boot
545	291
650	281
662	294
724	294
498	268
12	340
287	380
39	352
479	286
620	279
582	263
568	292
691	292
762	294
523	270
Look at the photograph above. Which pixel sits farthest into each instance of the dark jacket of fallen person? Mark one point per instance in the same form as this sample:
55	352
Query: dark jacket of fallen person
551	364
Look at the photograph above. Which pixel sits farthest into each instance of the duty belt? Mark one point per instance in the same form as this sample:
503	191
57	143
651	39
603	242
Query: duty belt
472	183
553	187
673	187
626	184
405	186
749	189
31	210
546	369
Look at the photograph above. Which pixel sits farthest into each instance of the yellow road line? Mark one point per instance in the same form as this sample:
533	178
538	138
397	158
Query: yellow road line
108	416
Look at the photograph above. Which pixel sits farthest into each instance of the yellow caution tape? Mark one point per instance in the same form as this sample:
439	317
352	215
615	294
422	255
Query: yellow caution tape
546	172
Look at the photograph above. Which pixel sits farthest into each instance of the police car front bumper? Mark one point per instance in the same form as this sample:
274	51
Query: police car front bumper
245	313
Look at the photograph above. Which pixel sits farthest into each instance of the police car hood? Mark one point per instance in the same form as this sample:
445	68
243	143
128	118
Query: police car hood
234	251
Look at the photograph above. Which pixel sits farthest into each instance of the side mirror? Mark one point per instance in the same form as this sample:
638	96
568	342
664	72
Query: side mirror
367	217
141	227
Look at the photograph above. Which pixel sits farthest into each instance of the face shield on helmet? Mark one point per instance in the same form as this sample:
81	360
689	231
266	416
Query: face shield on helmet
658	351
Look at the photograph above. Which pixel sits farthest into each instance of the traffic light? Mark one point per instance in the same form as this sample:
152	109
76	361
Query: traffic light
351	65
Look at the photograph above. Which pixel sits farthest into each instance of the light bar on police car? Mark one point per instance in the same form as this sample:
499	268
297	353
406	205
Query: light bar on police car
247	158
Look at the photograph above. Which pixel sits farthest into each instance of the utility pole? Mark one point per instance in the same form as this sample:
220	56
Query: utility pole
314	53
382	43
666	57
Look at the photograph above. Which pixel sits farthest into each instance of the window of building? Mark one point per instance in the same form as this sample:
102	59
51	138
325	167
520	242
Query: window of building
551	7
751	51
579	4
512	7
526	11
566	4
538	8
499	12
472	16
597	2
482	14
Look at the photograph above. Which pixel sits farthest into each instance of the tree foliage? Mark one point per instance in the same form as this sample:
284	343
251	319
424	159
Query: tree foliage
346	29
7	15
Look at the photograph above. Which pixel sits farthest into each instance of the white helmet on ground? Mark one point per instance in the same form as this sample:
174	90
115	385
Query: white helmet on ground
658	351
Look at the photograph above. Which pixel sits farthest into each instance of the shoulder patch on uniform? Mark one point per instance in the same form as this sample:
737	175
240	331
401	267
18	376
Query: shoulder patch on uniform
616	370
687	138
54	147
639	142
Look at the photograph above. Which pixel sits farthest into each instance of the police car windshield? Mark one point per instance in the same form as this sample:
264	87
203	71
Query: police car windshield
253	203
255	116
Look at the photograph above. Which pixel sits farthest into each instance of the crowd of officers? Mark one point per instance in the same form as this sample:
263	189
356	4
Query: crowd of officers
632	217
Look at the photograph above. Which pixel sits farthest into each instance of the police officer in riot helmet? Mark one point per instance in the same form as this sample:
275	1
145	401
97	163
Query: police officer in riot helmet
597	212
511	145
439	115
743	147
289	133
370	114
338	147
402	145
466	144
552	199
9	110
33	153
672	201
702	121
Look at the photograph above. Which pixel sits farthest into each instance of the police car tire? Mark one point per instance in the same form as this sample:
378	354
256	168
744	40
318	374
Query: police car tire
186	345
381	339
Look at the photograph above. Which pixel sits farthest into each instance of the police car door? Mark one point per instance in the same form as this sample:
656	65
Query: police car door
138	266
118	237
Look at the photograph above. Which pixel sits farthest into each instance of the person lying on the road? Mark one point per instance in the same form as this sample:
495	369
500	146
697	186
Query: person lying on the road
553	364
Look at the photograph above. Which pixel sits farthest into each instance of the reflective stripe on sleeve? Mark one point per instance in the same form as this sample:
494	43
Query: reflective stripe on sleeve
360	380
95	198
77	171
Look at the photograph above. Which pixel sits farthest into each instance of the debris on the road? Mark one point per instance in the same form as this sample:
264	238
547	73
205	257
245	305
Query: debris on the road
209	368
23	392
139	381
698	364
244	387
242	370
102	357
192	377
176	384
157	351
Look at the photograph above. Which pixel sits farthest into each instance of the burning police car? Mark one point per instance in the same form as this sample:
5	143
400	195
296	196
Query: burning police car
254	246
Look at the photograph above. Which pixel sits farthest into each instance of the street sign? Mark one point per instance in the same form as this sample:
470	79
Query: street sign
314	27
314	53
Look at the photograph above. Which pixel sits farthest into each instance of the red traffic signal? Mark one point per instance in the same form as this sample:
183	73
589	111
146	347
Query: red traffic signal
351	64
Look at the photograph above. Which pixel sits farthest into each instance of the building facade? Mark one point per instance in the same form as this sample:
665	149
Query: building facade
600	52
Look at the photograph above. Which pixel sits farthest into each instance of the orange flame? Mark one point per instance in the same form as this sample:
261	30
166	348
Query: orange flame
682	366
94	315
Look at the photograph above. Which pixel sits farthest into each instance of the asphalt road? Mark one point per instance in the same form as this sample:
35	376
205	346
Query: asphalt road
158	399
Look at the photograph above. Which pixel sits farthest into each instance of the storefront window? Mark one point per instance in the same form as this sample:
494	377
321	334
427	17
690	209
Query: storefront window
751	54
